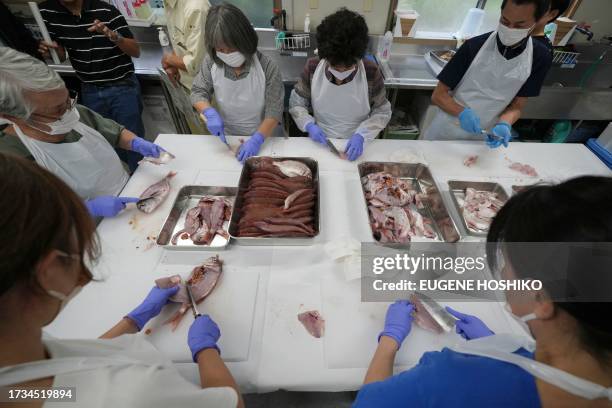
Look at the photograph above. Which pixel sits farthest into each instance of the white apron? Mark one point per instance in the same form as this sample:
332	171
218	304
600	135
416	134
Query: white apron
89	166
241	103
489	85
501	347
339	109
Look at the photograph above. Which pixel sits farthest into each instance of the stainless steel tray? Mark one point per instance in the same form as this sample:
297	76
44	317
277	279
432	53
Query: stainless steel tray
437	56
245	177
457	192
187	198
422	181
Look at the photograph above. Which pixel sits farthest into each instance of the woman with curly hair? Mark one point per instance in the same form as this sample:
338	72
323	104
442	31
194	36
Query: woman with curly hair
344	91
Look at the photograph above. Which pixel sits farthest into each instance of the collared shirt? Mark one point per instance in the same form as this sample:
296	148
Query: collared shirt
203	88
95	58
456	68
185	20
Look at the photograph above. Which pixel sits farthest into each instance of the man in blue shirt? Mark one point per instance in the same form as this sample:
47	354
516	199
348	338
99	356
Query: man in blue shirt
484	87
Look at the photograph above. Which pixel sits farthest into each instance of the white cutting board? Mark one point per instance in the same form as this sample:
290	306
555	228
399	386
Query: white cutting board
352	326
231	305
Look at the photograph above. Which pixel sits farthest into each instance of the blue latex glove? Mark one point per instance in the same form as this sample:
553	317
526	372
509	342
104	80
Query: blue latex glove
250	147
203	334
398	321
214	123
108	206
503	131
316	133
354	147
151	306
470	122
147	149
468	326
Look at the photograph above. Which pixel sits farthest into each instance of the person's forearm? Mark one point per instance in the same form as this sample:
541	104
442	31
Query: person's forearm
298	108
376	122
201	106
442	98
175	61
125	139
267	126
214	372
381	366
129	46
513	112
125	326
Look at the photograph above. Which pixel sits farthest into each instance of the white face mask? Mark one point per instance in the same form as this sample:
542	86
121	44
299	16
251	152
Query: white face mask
341	76
510	36
233	59
63	125
522	320
64	299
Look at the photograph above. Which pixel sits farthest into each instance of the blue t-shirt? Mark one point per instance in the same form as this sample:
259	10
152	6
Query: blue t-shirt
450	379
456	68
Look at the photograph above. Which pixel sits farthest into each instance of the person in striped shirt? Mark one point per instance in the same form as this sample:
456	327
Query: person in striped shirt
95	37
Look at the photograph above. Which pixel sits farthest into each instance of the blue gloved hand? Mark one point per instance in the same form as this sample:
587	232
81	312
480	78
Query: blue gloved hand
203	334
108	206
503	131
214	123
398	321
152	305
354	147
316	133
147	149
250	147
468	326
470	122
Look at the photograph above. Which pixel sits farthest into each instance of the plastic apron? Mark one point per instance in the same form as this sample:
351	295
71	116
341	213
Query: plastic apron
241	103
89	166
489	85
339	109
501	347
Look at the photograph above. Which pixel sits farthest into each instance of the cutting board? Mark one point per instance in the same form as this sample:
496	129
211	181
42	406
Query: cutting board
231	305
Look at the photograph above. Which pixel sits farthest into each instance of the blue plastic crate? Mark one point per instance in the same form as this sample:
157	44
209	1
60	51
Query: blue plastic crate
600	152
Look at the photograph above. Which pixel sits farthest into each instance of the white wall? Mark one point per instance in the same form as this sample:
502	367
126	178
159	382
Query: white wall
597	13
375	18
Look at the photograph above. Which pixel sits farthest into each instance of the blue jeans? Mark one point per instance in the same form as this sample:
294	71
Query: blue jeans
120	101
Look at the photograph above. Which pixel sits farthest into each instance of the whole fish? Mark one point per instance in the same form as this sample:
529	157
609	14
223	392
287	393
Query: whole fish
292	168
153	196
164	158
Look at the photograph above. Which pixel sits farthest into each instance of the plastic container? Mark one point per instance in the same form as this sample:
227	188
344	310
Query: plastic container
605	139
384	52
163	40
406	18
471	24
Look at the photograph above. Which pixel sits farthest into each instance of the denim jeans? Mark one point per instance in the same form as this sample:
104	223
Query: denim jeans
120	101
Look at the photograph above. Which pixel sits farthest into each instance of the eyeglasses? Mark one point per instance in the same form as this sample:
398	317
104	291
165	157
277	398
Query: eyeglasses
70	103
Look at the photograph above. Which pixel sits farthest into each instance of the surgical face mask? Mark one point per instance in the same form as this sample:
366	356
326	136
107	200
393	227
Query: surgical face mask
64	299
233	59
341	76
522	320
510	36
63	125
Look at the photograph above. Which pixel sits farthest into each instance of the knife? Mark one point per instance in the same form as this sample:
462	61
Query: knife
194	310
333	148
437	312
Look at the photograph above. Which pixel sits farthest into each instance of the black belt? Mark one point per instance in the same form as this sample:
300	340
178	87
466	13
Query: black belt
120	82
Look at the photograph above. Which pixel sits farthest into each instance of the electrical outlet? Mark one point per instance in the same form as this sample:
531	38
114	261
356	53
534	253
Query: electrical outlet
313	4
367	5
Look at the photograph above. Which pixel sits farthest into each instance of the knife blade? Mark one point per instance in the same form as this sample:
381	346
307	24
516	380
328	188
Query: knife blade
437	312
192	302
333	148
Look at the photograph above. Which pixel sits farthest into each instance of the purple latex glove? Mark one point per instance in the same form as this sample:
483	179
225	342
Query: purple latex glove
354	147
147	149
214	123
470	122
108	206
250	147
398	321
152	305
468	326
316	133
203	334
502	135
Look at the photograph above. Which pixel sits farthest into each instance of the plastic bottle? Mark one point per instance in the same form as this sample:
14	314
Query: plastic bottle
385	51
163	40
307	23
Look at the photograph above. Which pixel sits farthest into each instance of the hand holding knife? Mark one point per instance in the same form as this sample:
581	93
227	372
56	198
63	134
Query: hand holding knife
192	302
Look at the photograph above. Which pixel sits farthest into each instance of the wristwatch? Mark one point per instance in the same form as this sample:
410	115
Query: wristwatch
117	39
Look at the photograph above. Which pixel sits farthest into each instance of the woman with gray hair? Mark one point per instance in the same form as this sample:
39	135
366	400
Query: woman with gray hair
246	84
76	144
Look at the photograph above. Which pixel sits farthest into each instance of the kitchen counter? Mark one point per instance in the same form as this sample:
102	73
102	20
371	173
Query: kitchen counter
263	288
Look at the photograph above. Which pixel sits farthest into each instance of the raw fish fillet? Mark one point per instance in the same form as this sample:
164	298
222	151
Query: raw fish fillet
164	158
313	322
470	160
524	169
422	317
479	208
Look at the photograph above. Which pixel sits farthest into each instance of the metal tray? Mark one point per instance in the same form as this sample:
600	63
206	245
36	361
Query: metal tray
187	198
437	56
245	177
422	181
457	192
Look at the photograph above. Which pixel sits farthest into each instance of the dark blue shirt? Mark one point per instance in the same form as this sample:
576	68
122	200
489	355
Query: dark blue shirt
450	379
454	70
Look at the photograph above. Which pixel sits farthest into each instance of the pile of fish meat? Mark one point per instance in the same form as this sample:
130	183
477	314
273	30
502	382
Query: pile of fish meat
153	196
279	200
479	208
205	221
313	322
524	169
202	280
394	209
423	318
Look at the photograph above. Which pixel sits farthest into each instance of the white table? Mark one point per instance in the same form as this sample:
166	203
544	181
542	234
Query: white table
279	353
